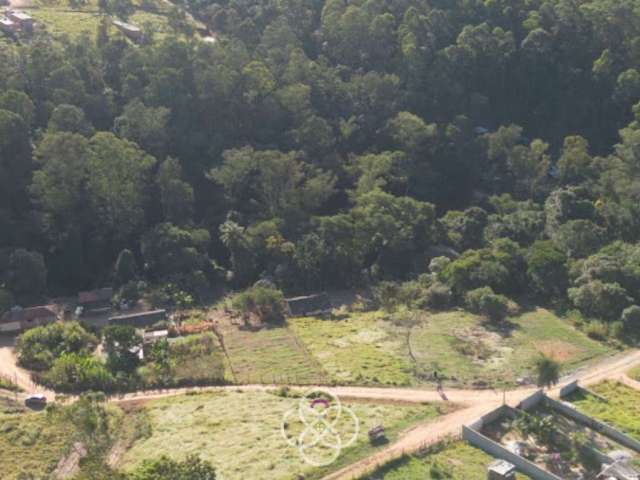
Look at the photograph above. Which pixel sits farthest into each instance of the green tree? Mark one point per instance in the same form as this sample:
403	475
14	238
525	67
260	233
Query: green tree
121	343
146	126
485	302
125	268
264	303
18	103
547	371
600	300
69	118
271	183
176	195
546	267
118	175
26	273
39	347
164	468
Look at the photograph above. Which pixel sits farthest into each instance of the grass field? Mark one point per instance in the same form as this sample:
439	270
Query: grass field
453	461
8	384
634	373
59	18
621	410
272	355
368	348
240	433
195	360
31	444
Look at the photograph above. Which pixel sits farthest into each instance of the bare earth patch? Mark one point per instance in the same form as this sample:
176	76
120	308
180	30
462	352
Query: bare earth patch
559	350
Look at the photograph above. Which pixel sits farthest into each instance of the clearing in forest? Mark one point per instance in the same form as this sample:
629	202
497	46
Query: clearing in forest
373	348
59	18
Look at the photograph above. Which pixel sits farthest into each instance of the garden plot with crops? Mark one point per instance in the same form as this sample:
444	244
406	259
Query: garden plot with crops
555	443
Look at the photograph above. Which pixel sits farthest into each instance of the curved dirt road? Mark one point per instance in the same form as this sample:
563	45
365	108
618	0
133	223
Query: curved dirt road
474	403
479	403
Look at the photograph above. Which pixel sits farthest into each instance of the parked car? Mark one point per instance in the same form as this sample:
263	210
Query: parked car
36	401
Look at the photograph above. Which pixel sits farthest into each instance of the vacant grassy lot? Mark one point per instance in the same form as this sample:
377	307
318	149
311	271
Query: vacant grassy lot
59	18
31	444
240	433
270	355
621	410
361	348
370	348
454	461
195	360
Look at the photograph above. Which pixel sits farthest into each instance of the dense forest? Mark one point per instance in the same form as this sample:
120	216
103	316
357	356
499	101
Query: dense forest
450	144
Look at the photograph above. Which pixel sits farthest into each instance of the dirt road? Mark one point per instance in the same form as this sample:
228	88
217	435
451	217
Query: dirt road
480	403
474	403
9	368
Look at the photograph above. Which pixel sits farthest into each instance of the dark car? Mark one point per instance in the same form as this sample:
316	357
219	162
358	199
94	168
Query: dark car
36	401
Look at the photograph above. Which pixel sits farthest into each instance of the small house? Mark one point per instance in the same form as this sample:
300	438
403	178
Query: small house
308	305
132	32
139	320
23	20
95	299
501	470
20	319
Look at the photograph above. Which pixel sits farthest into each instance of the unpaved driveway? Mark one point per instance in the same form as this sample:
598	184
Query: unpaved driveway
9	368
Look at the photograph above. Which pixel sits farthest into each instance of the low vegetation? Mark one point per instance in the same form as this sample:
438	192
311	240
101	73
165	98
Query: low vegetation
7	384
621	409
192	360
269	355
219	426
370	348
451	460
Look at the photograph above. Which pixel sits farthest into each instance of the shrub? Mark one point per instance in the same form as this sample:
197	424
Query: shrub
600	300
74	372
39	347
485	302
265	303
437	296
597	330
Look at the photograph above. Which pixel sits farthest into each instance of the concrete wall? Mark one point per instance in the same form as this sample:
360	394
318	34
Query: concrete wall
568	389
594	424
498	451
531	401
